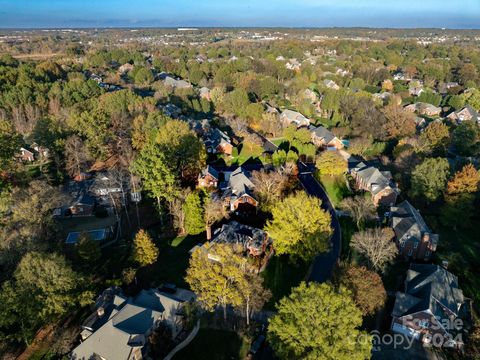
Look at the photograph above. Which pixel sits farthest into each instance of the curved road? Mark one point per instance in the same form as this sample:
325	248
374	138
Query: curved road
323	264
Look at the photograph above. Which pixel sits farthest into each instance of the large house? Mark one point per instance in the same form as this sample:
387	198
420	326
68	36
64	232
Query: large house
216	141
239	192
324	138
413	237
254	241
465	114
120	326
379	183
424	109
331	84
293	117
429	306
208	177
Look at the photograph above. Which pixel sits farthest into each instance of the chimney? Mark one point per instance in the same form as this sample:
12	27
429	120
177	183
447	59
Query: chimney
100	311
445	264
426	237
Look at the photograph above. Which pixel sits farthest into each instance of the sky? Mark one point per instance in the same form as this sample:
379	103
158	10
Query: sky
459	14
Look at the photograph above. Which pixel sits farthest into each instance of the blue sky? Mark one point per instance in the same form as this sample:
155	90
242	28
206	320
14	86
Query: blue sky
289	13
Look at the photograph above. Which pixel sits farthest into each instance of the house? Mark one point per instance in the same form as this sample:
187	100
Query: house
293	64
40	150
322	137
465	114
429	306
176	84
424	109
216	141
239	192
26	155
125	68
413	237
204	93
254	241
83	205
415	90
401	76
293	117
120	327
379	183
331	84
171	110
208	177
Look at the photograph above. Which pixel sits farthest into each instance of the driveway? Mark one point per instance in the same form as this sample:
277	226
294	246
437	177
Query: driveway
323	264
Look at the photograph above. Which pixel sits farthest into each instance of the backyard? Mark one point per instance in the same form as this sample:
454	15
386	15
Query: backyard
334	186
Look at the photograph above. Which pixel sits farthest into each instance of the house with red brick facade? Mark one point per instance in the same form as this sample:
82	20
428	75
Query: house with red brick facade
430	307
324	138
217	142
413	237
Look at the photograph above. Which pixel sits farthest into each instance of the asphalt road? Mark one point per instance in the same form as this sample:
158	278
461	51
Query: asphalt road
323	264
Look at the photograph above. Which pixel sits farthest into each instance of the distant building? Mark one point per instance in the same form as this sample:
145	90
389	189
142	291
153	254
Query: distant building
429	306
465	114
293	117
413	237
424	109
331	84
322	137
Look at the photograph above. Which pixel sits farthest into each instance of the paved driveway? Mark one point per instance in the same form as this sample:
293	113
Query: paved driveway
322	265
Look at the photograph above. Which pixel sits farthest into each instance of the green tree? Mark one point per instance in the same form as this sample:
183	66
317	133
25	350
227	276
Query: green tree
144	250
194	214
10	143
300	227
466	138
430	178
430	98
43	287
331	163
435	137
456	101
142	76
318	322
88	250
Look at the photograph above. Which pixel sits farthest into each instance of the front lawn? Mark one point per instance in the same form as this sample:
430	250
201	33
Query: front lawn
334	186
280	276
210	344
172	260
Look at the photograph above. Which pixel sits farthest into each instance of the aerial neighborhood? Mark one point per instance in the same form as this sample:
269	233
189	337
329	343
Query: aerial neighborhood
232	193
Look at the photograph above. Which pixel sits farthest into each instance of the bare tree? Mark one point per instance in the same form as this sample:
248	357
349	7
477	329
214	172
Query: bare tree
76	156
269	186
377	245
360	208
177	211
215	210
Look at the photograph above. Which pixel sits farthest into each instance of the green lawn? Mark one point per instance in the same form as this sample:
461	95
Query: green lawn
210	344
335	187
280	276
248	153
172	260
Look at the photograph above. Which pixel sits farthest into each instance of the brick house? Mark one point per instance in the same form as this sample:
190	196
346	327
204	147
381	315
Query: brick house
288	117
413	237
380	184
324	138
465	114
26	155
429	305
424	109
208	178
216	141
239	192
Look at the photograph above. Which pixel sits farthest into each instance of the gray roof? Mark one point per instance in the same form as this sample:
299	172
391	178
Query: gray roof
294	117
244	235
216	137
128	324
409	224
375	179
322	133
429	288
240	182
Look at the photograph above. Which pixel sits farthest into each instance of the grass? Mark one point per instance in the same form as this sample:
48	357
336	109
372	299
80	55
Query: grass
172	261
247	153
280	276
335	187
210	344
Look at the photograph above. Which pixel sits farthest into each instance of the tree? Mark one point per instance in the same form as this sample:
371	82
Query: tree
331	163
435	137
144	250
400	123
88	249
215	277
142	76
300	227
464	181
367	288
429	178
269	186
10	143
318	322
468	72
253	293
360	208
43	287
456	101
466	138
215	210
377	245
430	97
76	156
194	214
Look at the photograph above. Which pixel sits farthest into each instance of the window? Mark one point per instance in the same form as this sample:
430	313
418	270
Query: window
410	252
415	245
427	253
